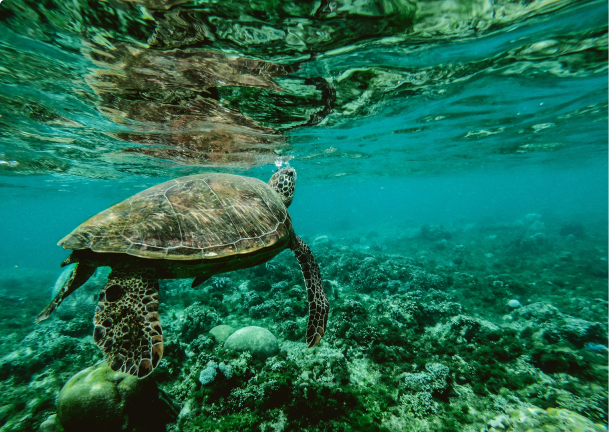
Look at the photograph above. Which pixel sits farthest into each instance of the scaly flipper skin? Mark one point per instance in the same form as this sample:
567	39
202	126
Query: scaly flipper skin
127	327
82	272
318	302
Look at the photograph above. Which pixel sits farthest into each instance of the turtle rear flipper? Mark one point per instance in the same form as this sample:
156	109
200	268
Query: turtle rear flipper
81	274
127	326
318	302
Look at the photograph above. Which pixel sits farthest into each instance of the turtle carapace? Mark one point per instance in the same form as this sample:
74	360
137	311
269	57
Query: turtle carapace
195	226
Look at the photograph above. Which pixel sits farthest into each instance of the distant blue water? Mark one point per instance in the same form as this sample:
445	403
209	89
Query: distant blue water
38	214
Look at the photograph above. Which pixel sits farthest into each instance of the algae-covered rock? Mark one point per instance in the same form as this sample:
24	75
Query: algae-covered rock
579	331
221	332
258	341
538	312
99	399
535	419
50	425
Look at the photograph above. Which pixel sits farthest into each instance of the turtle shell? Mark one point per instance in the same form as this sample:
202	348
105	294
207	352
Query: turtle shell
189	218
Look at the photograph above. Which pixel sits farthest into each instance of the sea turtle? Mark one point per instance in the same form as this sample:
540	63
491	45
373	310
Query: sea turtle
195	226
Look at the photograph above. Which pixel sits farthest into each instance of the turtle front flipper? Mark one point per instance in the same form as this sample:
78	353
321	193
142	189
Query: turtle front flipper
81	273
199	280
127	327
318	302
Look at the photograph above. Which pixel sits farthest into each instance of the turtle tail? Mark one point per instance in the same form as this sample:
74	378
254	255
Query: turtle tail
81	274
318	302
127	325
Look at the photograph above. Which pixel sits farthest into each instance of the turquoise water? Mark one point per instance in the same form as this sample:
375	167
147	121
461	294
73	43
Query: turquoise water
452	185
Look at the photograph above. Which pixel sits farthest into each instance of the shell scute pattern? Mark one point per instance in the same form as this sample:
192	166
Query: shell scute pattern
246	208
145	251
106	243
202	218
272	202
107	224
152	222
195	217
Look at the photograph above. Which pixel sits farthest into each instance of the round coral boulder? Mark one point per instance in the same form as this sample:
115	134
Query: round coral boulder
221	332
258	341
99	399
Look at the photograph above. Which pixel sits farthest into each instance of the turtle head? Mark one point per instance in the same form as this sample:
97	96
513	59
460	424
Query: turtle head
284	183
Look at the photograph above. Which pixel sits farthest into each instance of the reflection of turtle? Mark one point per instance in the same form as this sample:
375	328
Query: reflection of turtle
194	226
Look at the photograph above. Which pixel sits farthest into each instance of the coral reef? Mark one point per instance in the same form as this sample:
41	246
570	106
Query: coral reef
469	331
538	420
198	320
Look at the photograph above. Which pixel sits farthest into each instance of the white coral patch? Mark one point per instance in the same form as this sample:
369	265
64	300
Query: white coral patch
363	373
